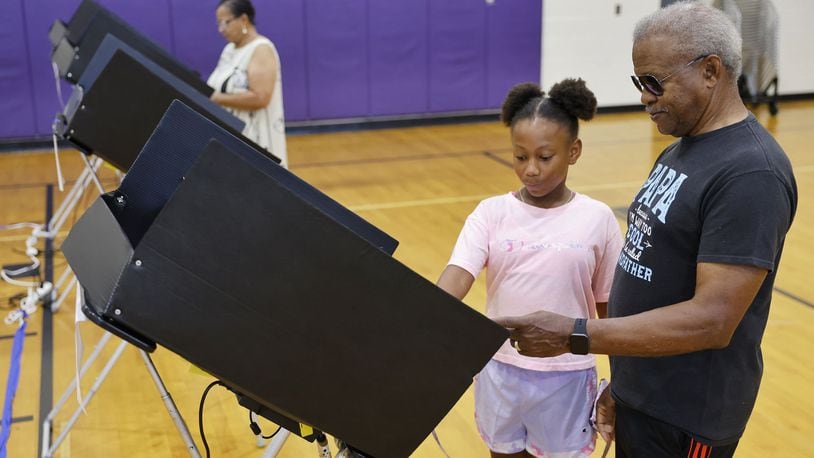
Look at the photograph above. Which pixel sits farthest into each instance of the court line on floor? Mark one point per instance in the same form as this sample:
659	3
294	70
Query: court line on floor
498	159
47	339
22	419
413	157
417	203
22	237
794	297
11	336
475	198
17	186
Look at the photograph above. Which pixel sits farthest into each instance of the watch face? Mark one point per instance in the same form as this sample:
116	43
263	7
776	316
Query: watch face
580	345
579	341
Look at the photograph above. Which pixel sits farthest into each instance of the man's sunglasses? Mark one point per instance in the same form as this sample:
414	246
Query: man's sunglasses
653	85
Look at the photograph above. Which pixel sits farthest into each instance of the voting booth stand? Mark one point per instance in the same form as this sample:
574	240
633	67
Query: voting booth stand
123	84
215	252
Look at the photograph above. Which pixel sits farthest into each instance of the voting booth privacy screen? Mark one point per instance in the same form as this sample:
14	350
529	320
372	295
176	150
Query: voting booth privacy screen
212	250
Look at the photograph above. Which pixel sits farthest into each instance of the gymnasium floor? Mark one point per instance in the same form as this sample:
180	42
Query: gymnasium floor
418	184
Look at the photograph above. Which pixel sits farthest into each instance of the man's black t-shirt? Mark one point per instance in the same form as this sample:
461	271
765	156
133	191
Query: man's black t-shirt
726	196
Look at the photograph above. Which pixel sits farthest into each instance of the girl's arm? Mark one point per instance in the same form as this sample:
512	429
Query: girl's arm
456	281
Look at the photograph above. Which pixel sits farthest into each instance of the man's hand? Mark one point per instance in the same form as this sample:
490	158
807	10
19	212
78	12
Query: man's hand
606	415
539	333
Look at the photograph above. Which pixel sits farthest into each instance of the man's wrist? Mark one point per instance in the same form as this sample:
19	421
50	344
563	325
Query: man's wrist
578	342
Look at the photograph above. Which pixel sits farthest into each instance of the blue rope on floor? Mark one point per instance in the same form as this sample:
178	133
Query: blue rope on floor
11	385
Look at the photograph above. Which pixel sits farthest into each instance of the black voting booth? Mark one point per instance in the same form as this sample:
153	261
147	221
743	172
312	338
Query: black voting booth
75	43
119	100
213	251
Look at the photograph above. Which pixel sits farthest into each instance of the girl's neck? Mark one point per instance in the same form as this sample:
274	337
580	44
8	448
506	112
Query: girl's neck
551	200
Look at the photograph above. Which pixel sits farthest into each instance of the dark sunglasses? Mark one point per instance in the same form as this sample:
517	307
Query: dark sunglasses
653	85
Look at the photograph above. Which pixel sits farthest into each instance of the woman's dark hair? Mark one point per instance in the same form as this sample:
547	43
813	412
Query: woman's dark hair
239	8
567	100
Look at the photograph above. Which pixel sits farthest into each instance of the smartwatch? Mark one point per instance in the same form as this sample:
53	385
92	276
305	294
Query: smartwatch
579	341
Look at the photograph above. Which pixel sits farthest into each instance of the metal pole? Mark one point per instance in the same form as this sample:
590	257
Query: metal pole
93	174
276	444
46	425
96	384
171	408
74	195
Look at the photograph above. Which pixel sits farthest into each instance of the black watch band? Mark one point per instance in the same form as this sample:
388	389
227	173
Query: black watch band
579	341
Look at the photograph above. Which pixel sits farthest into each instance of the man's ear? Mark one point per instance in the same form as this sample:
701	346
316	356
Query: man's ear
714	70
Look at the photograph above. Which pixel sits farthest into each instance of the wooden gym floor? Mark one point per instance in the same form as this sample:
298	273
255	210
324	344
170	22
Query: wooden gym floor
418	184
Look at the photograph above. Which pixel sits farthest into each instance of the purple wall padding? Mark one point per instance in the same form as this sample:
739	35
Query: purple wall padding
513	48
340	58
457	55
398	57
337	58
16	92
195	34
283	21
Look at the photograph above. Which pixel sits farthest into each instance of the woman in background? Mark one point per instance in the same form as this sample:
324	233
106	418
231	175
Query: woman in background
248	80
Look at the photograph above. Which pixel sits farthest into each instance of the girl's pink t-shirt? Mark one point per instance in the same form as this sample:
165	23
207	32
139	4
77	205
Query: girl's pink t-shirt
558	259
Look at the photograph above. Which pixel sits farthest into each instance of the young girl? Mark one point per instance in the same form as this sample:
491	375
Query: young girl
544	247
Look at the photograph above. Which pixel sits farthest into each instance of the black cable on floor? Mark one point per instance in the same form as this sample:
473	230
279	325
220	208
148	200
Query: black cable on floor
200	414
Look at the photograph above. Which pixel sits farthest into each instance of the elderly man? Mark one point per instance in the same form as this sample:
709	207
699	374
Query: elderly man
692	287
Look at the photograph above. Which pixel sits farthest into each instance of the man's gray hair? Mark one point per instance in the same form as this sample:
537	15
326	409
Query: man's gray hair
695	30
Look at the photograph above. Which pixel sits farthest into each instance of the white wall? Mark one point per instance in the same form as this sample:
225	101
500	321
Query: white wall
589	39
795	61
